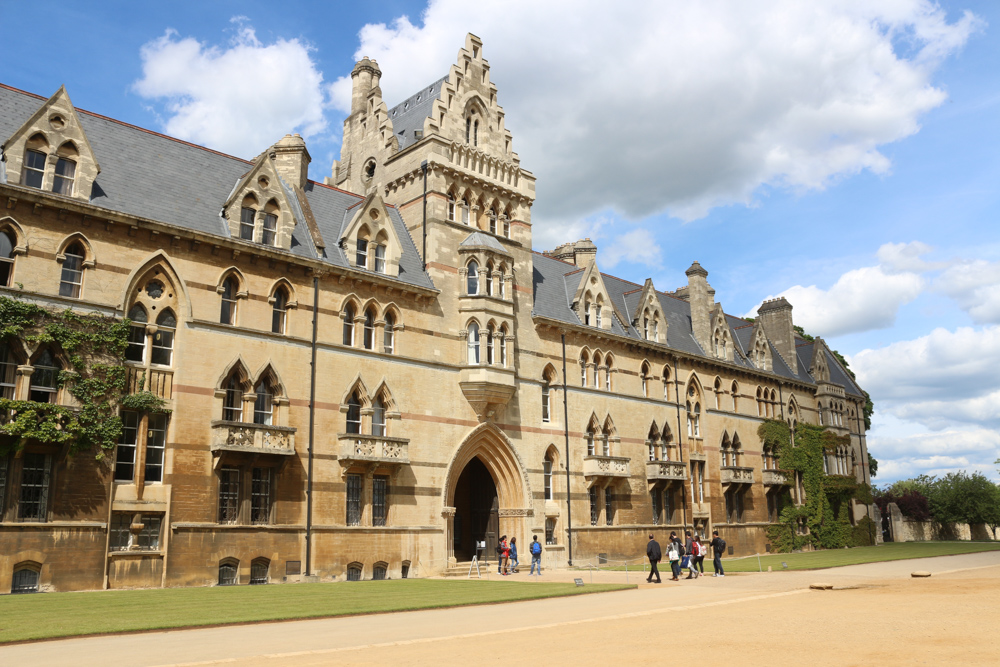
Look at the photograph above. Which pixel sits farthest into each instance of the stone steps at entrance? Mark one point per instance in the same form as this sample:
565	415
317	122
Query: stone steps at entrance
462	569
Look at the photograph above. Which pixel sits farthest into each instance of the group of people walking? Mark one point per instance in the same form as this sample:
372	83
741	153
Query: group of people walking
507	562
689	553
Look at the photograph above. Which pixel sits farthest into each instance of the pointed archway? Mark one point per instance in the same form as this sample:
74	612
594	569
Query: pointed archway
485	466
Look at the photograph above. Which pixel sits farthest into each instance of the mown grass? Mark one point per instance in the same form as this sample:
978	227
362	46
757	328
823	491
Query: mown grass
50	615
818	560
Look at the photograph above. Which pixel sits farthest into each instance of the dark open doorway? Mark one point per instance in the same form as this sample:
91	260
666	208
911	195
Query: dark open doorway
476	511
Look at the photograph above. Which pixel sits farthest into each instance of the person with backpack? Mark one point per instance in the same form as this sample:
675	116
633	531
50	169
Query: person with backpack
691	546
718	546
501	548
654	555
675	552
699	556
536	555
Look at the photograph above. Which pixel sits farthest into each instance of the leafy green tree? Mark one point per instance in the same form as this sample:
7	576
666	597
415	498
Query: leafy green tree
872	465
959	497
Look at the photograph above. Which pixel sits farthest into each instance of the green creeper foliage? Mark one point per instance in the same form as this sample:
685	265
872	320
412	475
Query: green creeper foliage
95	346
827	497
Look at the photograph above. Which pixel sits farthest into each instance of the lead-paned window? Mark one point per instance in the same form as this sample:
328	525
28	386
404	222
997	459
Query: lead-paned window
270	231
473	343
378	417
227	314
349	325
380	258
503	347
260	496
472	279
33	501
6	258
156	446
547	474
34	169
232	405
127	443
136	350
25	581
654	497
258	571
378	572
354	414
8	373
594	511
45	378
354	500
263	404
546	402
369	330
229	495
380	500
121	531
62	182
389	335
163	340
148	538
354	572
228	573
247	216
279	311
71	279
361	260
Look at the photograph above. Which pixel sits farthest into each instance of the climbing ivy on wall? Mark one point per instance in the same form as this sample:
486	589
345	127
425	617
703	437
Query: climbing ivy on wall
827	497
97	378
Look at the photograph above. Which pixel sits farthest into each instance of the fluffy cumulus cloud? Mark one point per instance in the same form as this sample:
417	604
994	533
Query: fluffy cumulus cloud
238	99
636	247
975	286
682	106
906	452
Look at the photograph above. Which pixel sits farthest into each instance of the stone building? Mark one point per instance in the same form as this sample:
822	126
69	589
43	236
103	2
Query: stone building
371	375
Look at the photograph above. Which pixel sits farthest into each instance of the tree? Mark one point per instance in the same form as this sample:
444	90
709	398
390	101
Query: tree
872	465
959	497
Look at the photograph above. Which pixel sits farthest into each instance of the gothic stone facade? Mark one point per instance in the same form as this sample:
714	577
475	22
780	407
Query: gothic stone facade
366	376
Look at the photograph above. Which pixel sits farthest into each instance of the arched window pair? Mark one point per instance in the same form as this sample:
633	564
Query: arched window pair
472	130
44	383
605	434
7	245
730	451
35	158
693	406
368	329
378	425
474	337
659	443
161	345
268	221
263	406
376	250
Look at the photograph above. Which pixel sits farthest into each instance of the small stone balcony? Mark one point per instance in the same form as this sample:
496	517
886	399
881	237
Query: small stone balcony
657	471
774	477
605	466
358	448
736	475
230	436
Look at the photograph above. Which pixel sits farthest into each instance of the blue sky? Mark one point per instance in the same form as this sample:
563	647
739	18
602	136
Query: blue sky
842	155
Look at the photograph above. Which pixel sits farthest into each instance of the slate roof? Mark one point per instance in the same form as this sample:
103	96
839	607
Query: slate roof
483	240
838	375
149	175
409	115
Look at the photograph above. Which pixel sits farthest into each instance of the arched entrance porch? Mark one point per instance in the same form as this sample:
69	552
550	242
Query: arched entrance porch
486	494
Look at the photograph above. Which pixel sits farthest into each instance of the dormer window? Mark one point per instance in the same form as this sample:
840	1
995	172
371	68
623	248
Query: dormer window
34	169
597	315
65	174
380	258
247	218
361	261
586	313
270	232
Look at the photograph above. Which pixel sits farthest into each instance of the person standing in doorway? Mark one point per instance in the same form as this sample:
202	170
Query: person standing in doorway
654	555
718	546
536	555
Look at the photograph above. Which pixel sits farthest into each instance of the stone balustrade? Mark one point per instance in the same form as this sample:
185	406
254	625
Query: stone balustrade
774	477
361	448
666	470
254	438
736	475
605	466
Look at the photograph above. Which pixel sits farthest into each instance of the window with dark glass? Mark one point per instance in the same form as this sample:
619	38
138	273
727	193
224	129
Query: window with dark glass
45	378
654	497
260	496
550	531
71	280
354	572
8	374
65	174
380	500
156	445
547	473
33	502
380	258
361	259
546	402
594	511
609	506
354	414
148	538
472	282
162	349
6	258
369	332
228	573
389	335
258	571
279	311
270	231
378	571
232	404
349	325
136	350
354	500
488	279
229	495
263	405
127	443
247	216
378	417
25	580
229	289
490	335
34	169
120	531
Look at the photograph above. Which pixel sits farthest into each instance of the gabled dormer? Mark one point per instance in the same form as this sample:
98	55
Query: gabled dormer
592	303
722	346
369	240
818	367
649	319
51	151
759	351
260	209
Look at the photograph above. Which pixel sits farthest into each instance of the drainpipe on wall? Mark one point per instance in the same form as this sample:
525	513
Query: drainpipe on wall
569	505
312	428
423	167
680	449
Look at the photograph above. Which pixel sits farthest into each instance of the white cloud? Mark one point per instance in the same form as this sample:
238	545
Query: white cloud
238	99
637	247
906	257
975	285
696	105
935	453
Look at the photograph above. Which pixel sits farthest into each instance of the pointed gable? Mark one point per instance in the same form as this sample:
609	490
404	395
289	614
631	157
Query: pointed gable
50	151
369	239
649	319
759	351
818	366
260	208
592	302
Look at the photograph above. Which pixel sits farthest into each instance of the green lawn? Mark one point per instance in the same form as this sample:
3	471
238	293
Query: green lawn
817	560
45	616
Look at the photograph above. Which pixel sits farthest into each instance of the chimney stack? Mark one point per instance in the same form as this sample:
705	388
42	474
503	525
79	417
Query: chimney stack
582	253
364	77
291	159
776	318
699	296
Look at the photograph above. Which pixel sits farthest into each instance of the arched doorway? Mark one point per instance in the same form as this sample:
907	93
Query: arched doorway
476	511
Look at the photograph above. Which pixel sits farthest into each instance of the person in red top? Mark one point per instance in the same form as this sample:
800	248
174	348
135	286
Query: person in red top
504	555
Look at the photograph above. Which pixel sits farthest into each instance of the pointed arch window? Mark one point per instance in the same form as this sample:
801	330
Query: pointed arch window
502	283
586	313
475	133
8	384
583	369
490	335
248	219
361	258
644	376
163	340
136	350
378	417
493	222
606	442
6	258
71	281
354	414
468	129
451	207
380	258
389	334
609	362
232	404
465	211
369	333
597	315
263	405
45	378
488	279
547	466
546	400
229	291
349	325
590	441
473	343
279	311
503	346
34	169
472	281
269	233
506	227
